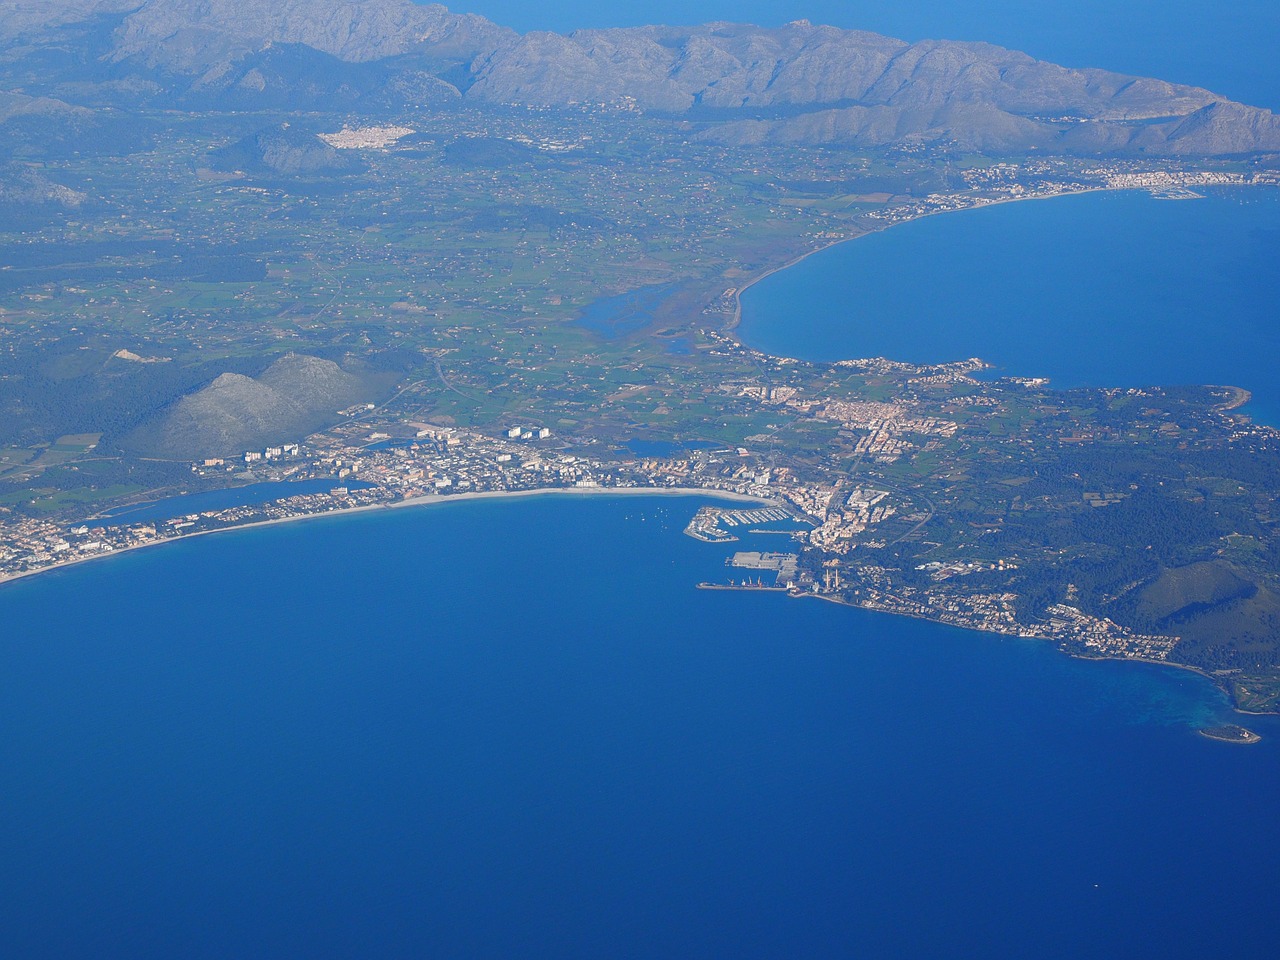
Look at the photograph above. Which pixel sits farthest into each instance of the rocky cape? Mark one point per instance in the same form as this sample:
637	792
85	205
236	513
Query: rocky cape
734	84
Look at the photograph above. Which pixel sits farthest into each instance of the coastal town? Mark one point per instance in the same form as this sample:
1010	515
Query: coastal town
495	480
1039	180
841	529
443	463
486	339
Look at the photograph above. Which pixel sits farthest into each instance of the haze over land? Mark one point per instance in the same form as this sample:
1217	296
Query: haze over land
798	83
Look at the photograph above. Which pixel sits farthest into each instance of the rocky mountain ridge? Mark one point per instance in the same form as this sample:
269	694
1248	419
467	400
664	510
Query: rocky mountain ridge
742	85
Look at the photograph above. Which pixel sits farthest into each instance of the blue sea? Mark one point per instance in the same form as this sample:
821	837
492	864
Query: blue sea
516	729
1101	289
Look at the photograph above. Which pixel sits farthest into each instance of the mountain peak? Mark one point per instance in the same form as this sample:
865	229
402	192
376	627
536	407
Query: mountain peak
190	35
798	83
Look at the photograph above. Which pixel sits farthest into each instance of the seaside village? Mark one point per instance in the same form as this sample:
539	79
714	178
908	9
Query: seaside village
1021	181
365	464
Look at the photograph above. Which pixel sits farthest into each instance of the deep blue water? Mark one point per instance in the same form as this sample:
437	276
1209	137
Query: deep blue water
1229	48
1108	289
514	728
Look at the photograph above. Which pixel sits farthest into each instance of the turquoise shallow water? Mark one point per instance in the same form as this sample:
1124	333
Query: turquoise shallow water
1105	289
515	728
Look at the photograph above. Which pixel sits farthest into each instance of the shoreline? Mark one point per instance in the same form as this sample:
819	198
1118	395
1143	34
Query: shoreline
400	504
1242	397
710	494
1238	397
1231	733
1075	656
575	492
737	296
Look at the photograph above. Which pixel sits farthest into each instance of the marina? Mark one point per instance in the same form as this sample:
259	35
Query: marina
712	524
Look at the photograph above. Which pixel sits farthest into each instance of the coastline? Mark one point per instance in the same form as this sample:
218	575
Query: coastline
739	291
575	492
711	494
1238	397
400	504
1075	656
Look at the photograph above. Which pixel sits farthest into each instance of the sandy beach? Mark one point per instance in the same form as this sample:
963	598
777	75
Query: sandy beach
425	501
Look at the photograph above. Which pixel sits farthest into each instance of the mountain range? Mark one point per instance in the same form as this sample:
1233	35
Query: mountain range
737	84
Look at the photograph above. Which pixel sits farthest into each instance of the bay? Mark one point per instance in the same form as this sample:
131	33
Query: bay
514	728
497	729
1101	289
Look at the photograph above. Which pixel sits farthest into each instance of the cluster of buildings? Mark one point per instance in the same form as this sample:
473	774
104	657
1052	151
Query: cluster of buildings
381	461
1161	180
884	440
883	443
1013	181
840	528
885	424
939	570
997	612
771	395
30	545
813	500
1103	637
528	433
993	612
366	138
